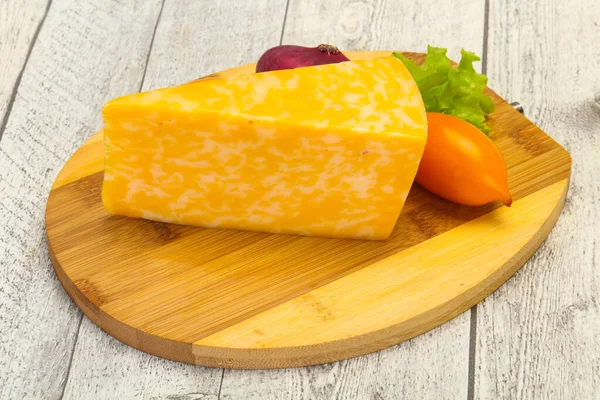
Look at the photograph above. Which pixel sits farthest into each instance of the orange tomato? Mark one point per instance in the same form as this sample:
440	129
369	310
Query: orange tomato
461	164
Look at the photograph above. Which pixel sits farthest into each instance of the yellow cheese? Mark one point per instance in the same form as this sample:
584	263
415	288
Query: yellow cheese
330	150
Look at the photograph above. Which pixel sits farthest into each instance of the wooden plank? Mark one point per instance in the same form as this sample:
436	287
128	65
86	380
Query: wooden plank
192	39
178	275
380	375
18	29
387	24
86	52
538	336
104	368
442	354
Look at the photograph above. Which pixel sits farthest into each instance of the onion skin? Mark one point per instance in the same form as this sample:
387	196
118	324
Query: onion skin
290	57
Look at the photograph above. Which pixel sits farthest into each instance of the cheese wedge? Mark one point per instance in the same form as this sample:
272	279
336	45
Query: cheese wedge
330	150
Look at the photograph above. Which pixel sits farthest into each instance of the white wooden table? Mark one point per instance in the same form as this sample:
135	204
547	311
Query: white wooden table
537	337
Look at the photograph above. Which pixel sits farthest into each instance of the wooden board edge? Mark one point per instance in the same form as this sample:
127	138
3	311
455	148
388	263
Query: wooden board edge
281	357
314	354
78	166
302	355
151	344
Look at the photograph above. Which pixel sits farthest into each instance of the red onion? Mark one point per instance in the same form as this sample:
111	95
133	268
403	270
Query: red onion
290	57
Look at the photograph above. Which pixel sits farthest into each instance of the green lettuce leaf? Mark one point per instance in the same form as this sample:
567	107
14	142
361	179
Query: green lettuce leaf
456	91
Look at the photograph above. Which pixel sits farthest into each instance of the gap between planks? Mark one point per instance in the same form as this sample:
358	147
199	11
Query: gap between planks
285	14
13	95
473	321
162	6
484	59
62	393
140	88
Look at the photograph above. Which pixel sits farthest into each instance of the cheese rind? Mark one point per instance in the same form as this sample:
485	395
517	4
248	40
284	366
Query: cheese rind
322	151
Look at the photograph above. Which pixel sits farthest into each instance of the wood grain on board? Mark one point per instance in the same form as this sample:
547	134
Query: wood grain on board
254	300
538	336
192	39
196	51
442	355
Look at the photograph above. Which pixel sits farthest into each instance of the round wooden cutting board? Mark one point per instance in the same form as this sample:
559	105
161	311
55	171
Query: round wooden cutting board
238	299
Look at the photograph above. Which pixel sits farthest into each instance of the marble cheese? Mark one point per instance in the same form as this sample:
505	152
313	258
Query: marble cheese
330	150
